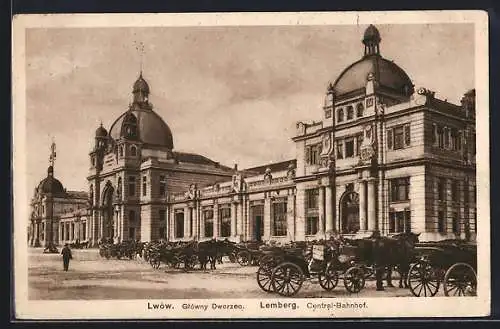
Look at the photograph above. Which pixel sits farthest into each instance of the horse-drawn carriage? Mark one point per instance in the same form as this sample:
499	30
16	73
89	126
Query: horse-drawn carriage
285	271
125	249
452	263
353	261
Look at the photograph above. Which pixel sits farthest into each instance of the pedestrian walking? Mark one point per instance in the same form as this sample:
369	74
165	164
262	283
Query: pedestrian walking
66	254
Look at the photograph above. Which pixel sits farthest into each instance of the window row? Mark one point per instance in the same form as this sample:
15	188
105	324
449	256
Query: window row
398	137
349	113
133	150
454	190
456	225
447	138
313	154
349	147
162	186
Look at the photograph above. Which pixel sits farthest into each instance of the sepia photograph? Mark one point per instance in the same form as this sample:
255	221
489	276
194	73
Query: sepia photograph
244	165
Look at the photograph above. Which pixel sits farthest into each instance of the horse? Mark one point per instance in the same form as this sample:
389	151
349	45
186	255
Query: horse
385	253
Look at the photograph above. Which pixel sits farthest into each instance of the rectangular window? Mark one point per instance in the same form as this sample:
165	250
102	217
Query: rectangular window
454	137
312	225
389	139
441	222
349	148
131	215
208	215
179	224
442	189
84	231
144	186
62	231
454	191
163	186
225	221
440	137
407	135
459	141
340	149
131	186
456	223
400	221
434	134
162	233
312	198
398	138
446	132
400	189
279	218
191	221
359	141
131	233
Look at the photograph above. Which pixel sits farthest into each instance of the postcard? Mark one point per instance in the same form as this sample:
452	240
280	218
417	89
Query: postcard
251	165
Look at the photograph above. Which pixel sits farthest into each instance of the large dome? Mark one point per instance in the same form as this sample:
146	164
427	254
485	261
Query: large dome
387	74
51	184
151	129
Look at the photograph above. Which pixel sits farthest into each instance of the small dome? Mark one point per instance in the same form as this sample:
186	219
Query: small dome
371	34
101	132
51	184
141	85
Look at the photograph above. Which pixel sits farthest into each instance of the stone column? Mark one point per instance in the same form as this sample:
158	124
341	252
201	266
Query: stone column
36	242
290	213
216	221
101	225
321	212
372	224
195	222
248	228
202	223
187	220
233	218
267	218
328	209
362	205
241	218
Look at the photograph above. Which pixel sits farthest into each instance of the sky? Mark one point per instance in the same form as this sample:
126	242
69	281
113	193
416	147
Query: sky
233	94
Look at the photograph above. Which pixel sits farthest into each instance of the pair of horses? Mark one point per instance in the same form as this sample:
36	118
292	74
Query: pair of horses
385	254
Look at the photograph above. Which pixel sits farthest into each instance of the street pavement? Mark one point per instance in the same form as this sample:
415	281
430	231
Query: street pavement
92	277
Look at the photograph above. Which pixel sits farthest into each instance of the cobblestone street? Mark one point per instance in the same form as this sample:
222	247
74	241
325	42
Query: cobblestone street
91	277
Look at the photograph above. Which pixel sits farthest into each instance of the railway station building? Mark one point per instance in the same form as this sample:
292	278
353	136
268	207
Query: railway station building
381	155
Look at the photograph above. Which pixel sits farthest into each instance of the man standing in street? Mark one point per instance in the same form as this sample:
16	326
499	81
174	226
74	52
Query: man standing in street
66	254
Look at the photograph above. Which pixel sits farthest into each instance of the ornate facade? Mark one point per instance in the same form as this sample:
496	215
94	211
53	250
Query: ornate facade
383	156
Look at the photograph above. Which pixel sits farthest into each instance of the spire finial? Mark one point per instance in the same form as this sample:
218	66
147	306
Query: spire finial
140	49
52	157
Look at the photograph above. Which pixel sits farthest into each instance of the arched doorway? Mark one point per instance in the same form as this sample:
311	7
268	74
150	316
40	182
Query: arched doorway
107	213
349	212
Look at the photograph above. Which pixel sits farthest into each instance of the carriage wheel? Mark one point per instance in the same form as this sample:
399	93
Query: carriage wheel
423	280
354	279
265	259
264	274
287	279
329	279
232	257
460	280
243	258
155	263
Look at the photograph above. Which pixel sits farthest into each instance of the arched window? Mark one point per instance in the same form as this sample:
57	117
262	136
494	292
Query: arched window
133	151
121	150
350	113
359	110
340	115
